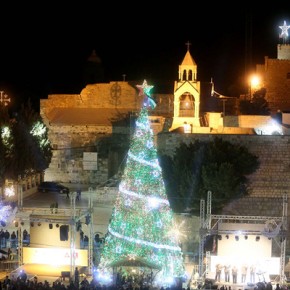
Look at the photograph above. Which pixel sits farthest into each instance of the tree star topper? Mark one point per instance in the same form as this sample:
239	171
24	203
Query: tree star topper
284	32
145	91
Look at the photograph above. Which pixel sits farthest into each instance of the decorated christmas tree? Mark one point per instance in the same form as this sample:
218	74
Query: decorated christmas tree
141	226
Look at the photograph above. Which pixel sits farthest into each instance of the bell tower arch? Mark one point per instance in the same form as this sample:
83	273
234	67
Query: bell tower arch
186	95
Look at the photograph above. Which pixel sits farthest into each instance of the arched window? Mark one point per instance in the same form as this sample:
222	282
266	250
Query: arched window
184	75
186	108
190	75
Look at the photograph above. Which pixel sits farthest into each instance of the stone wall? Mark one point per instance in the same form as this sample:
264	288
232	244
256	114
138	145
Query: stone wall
77	123
268	185
273	176
67	160
276	81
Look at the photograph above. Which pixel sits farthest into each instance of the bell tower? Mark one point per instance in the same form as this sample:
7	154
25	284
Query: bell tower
186	96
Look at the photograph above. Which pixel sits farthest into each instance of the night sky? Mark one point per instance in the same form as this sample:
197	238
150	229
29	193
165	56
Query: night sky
44	47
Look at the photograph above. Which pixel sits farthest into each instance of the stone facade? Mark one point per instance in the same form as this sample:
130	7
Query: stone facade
275	74
77	123
267	185
272	179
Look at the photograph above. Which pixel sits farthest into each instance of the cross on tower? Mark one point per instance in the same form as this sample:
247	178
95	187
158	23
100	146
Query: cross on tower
4	98
188	44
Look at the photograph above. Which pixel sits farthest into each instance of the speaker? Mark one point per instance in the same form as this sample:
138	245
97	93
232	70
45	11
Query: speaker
63	232
208	244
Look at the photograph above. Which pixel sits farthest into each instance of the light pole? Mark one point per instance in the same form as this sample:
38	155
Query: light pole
254	85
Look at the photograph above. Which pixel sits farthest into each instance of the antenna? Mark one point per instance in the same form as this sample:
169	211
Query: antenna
212	87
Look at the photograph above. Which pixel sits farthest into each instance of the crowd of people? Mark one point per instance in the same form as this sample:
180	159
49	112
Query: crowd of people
23	283
242	274
231	273
10	239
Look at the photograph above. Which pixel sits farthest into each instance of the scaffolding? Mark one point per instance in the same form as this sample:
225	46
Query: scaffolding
209	226
69	216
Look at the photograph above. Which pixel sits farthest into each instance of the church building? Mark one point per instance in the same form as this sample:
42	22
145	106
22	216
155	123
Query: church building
90	131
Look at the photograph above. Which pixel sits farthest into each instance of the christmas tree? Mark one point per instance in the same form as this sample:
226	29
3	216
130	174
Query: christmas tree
141	226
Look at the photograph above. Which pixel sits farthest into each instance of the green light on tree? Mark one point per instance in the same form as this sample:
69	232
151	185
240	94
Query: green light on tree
142	220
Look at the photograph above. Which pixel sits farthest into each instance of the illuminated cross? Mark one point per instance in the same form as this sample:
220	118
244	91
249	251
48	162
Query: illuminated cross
284	32
4	98
188	44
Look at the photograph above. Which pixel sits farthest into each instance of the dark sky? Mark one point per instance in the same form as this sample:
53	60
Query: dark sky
44	48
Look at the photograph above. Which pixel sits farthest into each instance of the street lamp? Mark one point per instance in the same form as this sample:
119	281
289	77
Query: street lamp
255	83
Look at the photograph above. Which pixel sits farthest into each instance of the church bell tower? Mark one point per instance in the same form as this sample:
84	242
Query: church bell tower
186	96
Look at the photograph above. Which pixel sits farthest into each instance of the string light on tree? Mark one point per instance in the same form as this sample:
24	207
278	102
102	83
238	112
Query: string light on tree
142	228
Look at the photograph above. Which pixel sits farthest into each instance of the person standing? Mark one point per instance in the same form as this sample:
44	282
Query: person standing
7	237
244	273
13	240
227	272
77	277
78	195
252	273
235	274
6	283
218	272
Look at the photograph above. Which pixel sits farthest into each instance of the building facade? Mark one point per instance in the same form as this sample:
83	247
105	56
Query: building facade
80	123
275	78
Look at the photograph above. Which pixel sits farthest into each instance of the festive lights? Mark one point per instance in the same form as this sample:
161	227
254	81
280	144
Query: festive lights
142	228
7	213
9	191
284	32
